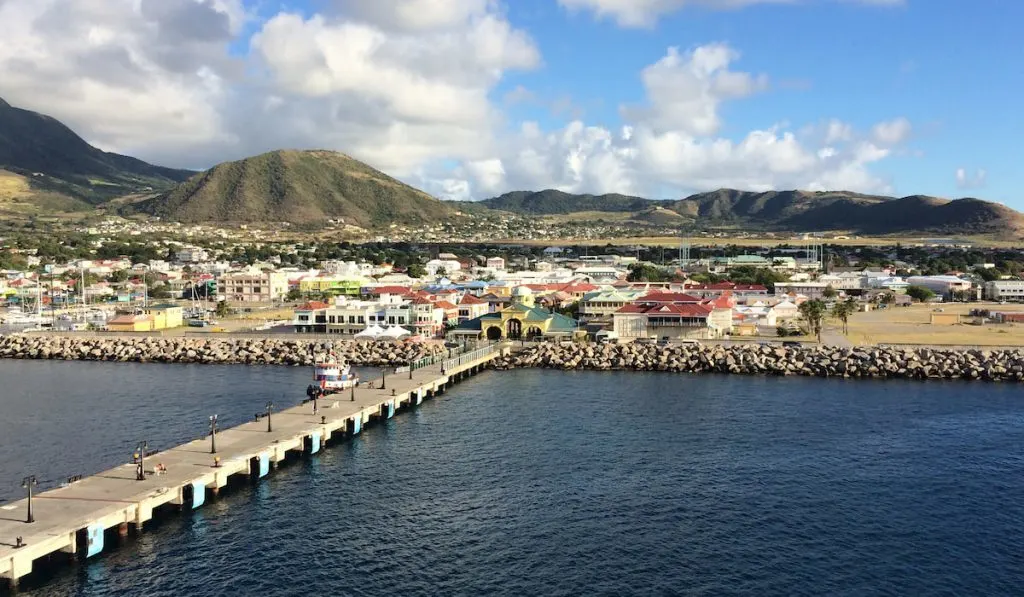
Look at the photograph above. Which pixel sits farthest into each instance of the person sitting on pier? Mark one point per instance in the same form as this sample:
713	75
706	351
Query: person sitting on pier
161	469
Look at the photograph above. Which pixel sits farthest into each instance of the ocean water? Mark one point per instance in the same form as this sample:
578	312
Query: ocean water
551	483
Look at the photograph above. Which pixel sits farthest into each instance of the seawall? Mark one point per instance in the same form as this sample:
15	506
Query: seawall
755	359
253	351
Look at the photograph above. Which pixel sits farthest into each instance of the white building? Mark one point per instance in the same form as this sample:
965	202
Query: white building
1005	290
191	255
941	285
598	274
448	266
496	263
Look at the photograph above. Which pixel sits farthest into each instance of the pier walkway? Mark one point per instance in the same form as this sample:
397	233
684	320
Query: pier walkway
75	519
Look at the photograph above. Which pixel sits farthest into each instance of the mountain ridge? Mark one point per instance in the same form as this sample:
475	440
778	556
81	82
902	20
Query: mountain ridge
56	160
790	210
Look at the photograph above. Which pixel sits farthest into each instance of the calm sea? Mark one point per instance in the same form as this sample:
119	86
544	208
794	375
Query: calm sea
550	483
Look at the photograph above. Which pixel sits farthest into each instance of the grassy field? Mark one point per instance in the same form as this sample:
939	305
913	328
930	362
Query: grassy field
910	325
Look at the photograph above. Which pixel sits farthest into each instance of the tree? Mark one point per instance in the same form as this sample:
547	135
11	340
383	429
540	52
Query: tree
294	294
223	309
830	292
416	270
645	272
813	312
842	311
919	293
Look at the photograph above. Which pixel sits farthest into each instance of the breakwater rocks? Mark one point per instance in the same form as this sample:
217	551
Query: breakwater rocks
254	351
755	359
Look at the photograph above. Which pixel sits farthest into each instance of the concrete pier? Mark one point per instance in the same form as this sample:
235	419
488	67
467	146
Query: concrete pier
74	519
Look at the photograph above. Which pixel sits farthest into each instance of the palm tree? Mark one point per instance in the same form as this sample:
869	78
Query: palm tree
813	312
843	310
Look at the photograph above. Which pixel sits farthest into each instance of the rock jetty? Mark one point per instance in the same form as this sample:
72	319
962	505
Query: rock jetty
253	351
756	359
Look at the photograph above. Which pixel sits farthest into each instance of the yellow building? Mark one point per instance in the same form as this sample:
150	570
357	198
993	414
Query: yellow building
149	319
165	317
130	323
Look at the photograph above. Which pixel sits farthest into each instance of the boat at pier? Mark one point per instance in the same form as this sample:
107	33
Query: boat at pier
332	377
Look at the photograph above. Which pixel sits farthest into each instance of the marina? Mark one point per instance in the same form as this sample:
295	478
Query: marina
78	519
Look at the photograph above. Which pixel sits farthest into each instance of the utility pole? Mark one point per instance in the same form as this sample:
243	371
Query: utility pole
213	434
28	483
270	408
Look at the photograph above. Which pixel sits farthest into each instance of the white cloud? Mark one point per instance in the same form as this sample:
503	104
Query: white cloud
122	72
970	180
670	147
394	83
892	132
685	90
645	13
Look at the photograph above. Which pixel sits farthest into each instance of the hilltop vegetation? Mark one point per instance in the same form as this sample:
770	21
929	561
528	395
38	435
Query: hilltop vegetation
300	187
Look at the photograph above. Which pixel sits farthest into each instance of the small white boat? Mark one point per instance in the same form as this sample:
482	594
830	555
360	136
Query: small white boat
21	318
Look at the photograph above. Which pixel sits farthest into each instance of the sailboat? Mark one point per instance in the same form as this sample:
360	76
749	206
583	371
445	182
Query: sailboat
23	318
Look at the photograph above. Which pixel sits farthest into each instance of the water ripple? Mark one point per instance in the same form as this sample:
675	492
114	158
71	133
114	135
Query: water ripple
549	483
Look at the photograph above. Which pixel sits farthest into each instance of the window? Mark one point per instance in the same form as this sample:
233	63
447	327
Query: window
331	319
362	319
351	318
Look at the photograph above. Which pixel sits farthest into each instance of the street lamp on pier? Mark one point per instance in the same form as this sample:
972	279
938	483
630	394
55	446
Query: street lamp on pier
213	434
28	483
140	460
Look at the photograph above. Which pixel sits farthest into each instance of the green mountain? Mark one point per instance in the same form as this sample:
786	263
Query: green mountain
300	187
47	157
785	211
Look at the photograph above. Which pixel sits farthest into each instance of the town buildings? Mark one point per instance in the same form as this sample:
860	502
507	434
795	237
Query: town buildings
253	287
1004	290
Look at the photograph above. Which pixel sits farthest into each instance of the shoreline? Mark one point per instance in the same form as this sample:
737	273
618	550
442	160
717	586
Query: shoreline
755	359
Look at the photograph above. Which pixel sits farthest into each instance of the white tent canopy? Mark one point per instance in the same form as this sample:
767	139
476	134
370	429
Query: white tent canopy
373	332
395	332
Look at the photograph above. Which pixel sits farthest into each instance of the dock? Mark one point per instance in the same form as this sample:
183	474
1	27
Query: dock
76	520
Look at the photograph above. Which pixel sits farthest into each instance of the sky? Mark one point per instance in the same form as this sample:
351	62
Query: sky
468	99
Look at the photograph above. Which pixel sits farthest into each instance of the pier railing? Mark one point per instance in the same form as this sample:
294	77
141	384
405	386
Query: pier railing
469	357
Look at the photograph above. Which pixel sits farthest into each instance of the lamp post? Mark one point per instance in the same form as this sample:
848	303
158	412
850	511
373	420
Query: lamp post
270	408
213	434
352	393
383	377
140	460
28	483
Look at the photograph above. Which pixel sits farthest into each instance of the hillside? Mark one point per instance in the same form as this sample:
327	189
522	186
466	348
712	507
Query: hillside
798	211
551	202
54	162
300	187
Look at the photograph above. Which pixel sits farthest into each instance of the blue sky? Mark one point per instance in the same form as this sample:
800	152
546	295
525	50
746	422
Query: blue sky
949	67
468	99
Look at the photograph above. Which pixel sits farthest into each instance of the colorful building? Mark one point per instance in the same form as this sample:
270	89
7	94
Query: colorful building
520	320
